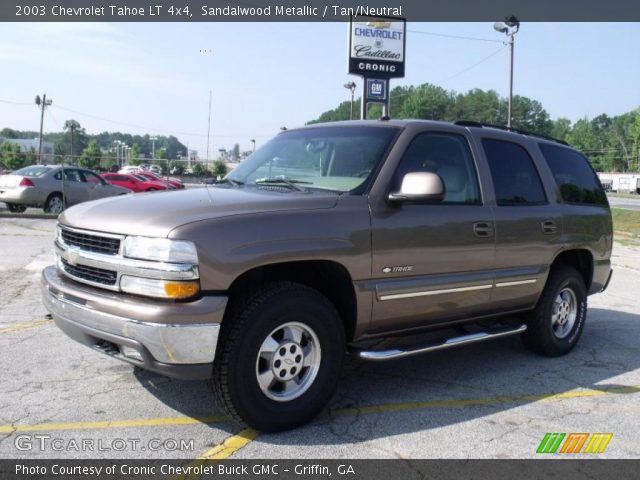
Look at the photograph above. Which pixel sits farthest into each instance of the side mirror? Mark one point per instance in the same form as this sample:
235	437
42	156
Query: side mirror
419	187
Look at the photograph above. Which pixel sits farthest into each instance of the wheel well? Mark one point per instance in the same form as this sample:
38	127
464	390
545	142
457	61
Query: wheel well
329	278
581	260
52	194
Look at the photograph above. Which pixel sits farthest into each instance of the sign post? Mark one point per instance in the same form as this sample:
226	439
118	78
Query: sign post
377	54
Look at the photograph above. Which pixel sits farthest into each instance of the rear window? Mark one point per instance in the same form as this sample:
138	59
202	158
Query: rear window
32	171
577	181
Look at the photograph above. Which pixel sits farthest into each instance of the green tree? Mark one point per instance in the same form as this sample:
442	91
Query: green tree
561	128
478	106
427	102
8	133
10	156
162	154
80	141
198	169
176	168
219	168
31	157
134	155
91	156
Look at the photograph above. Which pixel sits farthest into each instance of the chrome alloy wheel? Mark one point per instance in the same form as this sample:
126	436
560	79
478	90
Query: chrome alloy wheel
55	205
288	361
565	312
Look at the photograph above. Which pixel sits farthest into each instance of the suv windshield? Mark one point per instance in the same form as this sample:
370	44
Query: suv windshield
330	158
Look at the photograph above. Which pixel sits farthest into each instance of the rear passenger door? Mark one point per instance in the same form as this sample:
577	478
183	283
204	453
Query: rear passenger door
528	227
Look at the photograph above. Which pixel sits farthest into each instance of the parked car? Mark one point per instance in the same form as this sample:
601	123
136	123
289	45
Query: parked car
442	234
176	183
130	169
135	183
153	168
42	186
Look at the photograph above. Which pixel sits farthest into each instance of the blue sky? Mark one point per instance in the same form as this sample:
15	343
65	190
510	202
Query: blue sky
155	77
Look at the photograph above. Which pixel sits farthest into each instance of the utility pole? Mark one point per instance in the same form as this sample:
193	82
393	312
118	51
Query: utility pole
42	103
209	129
153	149
72	127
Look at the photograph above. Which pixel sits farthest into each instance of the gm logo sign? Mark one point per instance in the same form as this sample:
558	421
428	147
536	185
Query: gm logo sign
376	89
574	443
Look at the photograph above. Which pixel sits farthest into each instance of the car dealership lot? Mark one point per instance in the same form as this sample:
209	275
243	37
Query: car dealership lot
491	400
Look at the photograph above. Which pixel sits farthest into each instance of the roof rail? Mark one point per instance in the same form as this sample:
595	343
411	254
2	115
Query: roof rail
471	123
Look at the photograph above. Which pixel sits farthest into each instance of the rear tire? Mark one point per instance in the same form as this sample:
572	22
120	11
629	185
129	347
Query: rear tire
279	357
555	325
16	207
54	204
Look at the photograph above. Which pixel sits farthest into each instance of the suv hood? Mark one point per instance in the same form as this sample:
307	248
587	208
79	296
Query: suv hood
156	214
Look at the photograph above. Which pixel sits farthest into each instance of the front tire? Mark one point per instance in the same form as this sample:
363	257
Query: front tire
555	325
279	357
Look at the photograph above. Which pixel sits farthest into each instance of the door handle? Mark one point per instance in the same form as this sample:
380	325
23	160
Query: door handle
549	227
483	229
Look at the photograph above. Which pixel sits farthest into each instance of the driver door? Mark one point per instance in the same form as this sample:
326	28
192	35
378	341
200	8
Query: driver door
433	261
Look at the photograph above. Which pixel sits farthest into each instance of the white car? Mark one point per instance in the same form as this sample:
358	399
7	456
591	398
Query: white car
130	169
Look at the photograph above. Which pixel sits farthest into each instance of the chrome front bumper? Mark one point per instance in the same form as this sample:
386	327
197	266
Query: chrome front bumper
175	339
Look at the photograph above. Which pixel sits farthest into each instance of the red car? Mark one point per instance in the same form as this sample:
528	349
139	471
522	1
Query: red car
174	182
135	182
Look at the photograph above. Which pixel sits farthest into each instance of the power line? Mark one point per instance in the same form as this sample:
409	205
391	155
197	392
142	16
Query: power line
460	72
474	65
14	103
457	37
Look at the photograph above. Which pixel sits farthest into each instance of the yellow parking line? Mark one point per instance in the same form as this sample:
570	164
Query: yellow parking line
230	445
140	422
22	326
236	442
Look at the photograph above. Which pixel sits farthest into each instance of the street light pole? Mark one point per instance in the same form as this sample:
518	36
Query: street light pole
42	103
509	27
351	86
253	140
153	148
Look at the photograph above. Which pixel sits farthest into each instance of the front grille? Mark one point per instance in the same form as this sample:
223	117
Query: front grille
90	274
91	243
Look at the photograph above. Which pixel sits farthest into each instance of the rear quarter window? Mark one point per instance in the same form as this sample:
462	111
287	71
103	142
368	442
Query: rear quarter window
577	181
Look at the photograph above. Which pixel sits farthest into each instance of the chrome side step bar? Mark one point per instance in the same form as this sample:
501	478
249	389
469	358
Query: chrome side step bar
393	354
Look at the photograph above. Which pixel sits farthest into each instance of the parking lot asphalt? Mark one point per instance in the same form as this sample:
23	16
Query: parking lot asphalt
59	399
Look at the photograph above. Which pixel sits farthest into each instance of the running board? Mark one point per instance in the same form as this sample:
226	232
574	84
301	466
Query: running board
393	354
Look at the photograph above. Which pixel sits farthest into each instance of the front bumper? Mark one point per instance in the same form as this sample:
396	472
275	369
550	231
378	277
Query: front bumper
174	339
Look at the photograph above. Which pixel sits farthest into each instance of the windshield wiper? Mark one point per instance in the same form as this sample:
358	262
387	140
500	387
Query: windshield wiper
230	181
289	182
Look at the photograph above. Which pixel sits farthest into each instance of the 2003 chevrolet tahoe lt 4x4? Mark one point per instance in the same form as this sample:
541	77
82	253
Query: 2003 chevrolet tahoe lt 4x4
327	238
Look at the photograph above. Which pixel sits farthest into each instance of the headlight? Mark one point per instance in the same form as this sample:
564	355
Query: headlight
159	288
161	249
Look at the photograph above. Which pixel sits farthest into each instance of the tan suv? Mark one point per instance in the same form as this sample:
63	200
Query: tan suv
327	239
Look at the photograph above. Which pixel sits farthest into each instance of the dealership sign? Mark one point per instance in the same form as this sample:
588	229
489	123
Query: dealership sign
376	47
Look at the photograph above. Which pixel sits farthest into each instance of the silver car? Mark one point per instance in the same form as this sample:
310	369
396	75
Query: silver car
42	186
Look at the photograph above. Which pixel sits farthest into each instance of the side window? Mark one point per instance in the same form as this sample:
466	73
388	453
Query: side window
515	178
450	157
92	178
577	181
72	175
